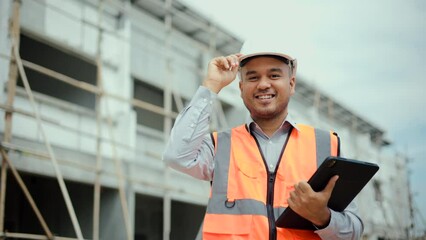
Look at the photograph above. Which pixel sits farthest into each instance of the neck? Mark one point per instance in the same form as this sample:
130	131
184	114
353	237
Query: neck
270	125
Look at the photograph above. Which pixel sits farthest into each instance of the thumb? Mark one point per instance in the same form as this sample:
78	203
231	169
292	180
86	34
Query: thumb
330	185
235	70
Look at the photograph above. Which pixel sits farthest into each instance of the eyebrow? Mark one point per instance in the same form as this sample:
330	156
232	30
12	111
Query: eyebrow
275	70
250	72
270	70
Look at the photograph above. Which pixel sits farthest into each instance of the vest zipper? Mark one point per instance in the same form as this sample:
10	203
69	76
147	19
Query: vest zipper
270	205
270	187
270	193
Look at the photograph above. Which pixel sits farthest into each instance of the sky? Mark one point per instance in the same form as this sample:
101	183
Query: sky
368	55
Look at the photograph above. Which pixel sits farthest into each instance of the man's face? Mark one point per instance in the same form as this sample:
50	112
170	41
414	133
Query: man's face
266	87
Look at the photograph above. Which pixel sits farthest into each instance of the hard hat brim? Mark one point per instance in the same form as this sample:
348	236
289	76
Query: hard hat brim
245	58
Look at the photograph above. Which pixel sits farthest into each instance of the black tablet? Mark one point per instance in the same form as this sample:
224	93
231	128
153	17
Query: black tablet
353	176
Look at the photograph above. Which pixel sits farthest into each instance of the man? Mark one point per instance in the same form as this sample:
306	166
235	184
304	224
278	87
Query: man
258	169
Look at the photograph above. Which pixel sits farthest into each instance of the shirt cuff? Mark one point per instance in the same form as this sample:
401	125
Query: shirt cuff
206	93
332	227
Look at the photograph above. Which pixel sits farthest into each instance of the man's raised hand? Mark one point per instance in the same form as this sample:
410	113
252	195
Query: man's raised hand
221	72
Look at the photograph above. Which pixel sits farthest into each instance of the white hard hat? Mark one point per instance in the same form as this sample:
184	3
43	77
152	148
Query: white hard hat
267	47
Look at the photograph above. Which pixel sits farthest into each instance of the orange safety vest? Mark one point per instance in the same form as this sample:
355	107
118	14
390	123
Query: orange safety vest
245	198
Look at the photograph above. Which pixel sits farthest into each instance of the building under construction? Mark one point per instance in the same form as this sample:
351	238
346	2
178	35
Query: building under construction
89	93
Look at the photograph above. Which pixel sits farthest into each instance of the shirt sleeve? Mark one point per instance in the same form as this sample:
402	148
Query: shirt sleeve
343	225
190	148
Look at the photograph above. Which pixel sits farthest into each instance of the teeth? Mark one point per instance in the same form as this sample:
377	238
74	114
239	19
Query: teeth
265	97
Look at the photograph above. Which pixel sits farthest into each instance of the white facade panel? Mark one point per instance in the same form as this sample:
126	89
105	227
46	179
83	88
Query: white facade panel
65	28
33	16
89	33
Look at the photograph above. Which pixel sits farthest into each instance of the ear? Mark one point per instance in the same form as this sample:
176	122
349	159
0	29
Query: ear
240	84
292	83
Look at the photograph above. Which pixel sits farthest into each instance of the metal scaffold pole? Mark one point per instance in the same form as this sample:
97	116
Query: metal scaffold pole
167	120
11	89
98	173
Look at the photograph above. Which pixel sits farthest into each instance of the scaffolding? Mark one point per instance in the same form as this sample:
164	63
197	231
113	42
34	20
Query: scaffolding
17	67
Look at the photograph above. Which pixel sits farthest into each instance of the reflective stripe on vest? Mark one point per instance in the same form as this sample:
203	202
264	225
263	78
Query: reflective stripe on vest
223	205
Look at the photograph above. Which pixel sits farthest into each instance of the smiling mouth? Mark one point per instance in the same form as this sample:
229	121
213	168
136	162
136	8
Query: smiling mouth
267	96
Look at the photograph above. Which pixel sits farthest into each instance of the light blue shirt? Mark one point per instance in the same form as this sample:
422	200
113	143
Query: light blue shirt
272	146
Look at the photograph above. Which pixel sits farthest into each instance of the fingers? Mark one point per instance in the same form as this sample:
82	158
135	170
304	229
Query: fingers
230	62
302	187
221	72
330	185
291	200
302	191
310	204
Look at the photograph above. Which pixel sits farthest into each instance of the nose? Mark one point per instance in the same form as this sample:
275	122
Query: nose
264	83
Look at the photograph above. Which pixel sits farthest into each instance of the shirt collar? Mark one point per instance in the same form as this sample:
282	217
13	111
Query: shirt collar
288	121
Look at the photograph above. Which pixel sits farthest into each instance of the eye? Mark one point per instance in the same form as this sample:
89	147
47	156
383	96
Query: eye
275	76
252	78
